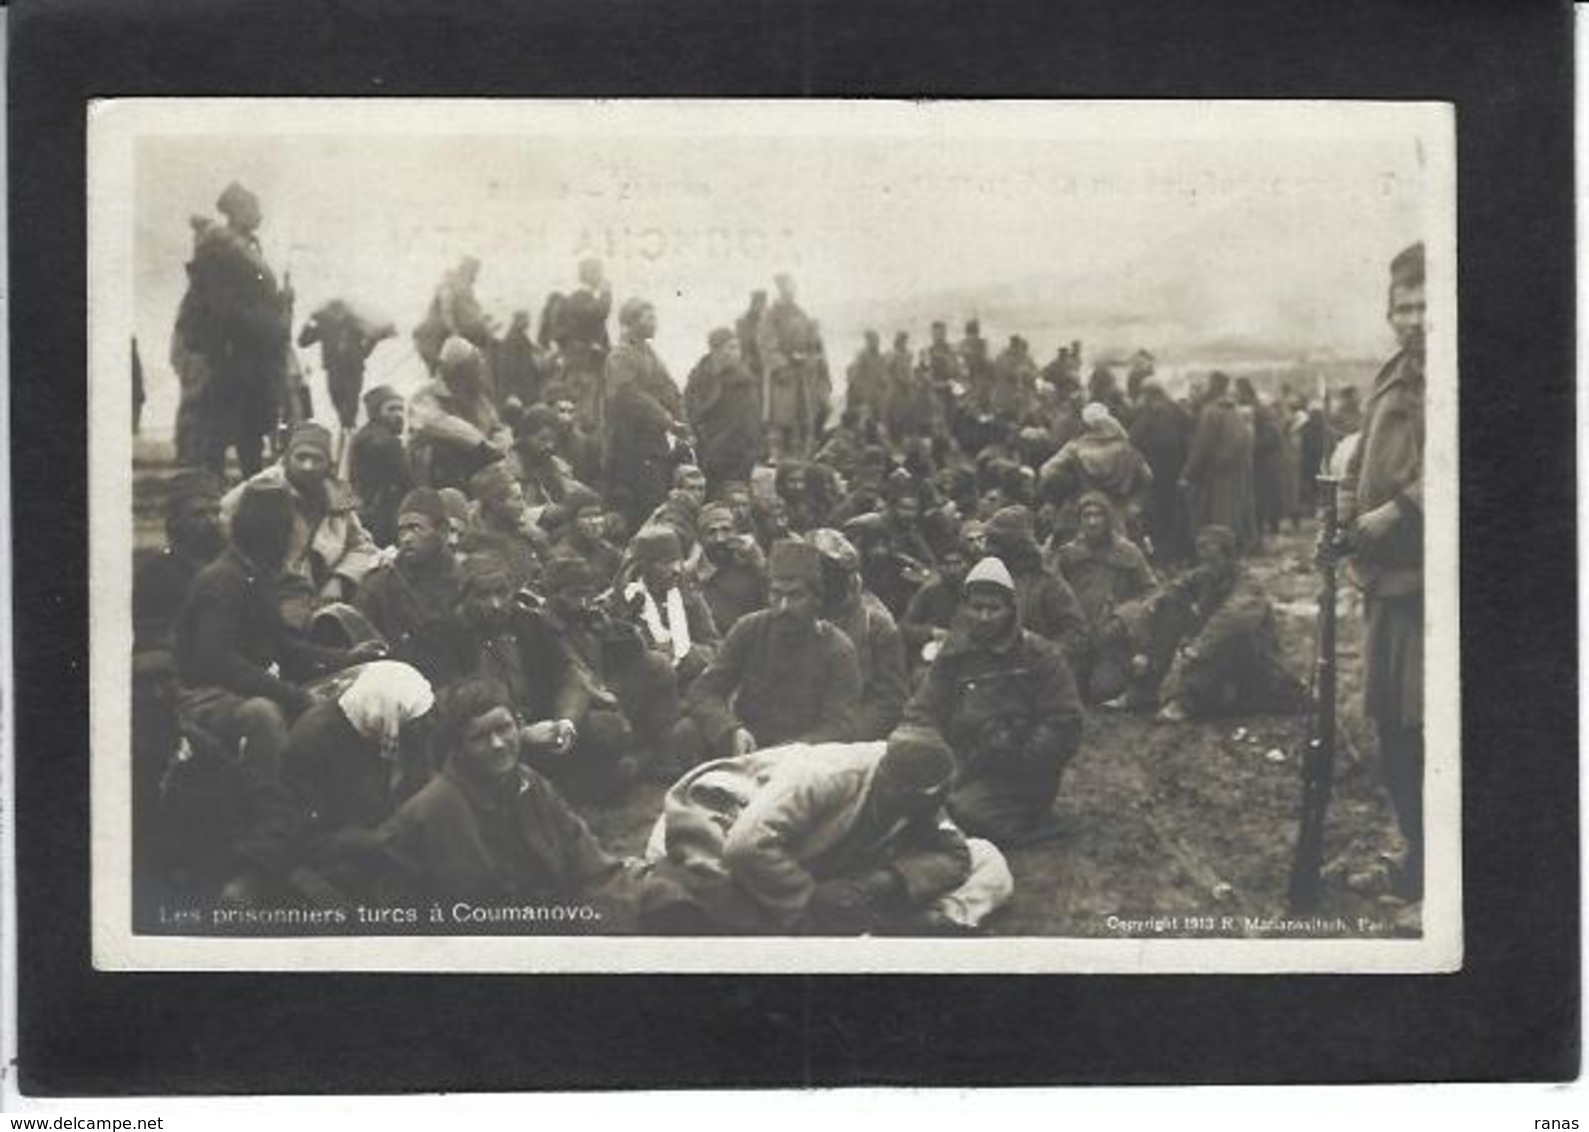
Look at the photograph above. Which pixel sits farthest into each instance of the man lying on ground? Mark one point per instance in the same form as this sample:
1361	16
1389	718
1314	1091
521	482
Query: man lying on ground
831	839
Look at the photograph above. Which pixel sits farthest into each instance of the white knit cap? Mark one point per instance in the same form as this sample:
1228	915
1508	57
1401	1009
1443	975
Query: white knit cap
992	571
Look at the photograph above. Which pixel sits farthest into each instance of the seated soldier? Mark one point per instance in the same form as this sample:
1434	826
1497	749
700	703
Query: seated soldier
1005	700
546	477
502	523
411	600
866	492
378	465
349	764
770	518
671	616
453	428
931	612
1102	458
831	839
330	552
485	616
781	676
690	480
1209	645
584	535
907	500
193	538
731	573
807	493
593	670
489	831
576	445
233	706
738	497
894	577
849	607
681	510
1106	570
1048	605
841	449
459	515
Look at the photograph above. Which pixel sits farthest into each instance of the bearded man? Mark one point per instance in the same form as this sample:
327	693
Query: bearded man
783	675
330	552
732	571
411	600
502	523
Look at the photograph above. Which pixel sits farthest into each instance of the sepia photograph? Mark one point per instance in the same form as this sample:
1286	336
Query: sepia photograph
716	536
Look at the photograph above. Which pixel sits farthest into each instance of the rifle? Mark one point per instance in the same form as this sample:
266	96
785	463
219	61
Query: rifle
1318	761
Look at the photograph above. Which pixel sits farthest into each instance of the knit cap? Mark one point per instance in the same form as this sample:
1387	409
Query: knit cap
993	572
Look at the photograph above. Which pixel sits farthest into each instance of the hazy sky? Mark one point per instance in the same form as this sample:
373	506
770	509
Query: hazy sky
1159	238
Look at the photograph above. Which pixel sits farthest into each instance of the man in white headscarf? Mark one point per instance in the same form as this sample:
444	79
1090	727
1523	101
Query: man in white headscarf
352	760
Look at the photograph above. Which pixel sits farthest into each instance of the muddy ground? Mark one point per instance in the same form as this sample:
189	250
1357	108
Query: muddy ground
1191	825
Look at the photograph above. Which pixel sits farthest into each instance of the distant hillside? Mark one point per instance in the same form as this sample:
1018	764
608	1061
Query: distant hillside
1242	301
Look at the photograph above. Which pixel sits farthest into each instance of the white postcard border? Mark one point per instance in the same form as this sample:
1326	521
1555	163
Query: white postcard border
113	129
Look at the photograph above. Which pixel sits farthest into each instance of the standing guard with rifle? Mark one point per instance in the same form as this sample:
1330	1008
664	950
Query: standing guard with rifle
1381	531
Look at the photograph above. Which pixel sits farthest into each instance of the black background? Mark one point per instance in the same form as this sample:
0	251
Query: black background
1513	1011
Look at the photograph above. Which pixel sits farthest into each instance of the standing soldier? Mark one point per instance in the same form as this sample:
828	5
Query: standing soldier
1162	431
580	328
522	367
643	408
791	355
1381	499
1217	475
346	338
238	321
906	411
977	360
454	312
747	328
721	401
868	381
940	365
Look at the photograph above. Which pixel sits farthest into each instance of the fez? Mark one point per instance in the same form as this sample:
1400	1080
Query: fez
427	502
795	561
